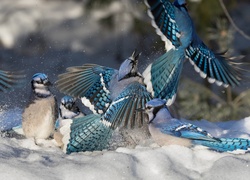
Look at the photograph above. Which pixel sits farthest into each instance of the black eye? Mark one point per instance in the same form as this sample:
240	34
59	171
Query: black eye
149	107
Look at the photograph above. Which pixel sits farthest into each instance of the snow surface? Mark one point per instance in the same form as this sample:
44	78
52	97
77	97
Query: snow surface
22	159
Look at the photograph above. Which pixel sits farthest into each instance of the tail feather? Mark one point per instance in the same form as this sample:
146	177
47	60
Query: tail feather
226	144
88	133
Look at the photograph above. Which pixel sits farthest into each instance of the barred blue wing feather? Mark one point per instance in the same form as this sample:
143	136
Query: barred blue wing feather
163	19
215	67
174	24
89	82
88	133
9	80
187	130
162	76
226	144
123	112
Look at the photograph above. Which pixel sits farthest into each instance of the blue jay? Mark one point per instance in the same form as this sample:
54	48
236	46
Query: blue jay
166	130
98	86
68	110
10	79
174	25
113	95
94	131
39	117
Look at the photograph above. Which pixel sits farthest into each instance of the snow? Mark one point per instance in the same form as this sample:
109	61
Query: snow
21	158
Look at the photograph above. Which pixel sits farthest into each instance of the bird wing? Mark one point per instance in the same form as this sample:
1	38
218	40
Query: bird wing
88	133
215	67
163	18
162	76
123	111
89	82
10	79
186	130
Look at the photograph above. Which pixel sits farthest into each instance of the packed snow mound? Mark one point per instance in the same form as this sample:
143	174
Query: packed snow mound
150	161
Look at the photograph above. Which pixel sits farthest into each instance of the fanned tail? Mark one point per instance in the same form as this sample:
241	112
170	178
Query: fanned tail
227	144
88	133
162	76
9	80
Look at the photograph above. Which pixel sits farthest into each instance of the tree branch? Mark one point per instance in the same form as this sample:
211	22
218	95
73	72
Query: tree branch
232	22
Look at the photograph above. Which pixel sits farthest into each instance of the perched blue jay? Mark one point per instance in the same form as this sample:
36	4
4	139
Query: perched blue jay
39	117
10	79
167	130
174	25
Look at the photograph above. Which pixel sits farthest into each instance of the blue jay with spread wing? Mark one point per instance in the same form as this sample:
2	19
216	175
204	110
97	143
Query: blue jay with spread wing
113	95
94	131
175	26
166	130
97	86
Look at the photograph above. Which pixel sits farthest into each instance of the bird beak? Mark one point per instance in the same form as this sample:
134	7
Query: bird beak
48	83
140	110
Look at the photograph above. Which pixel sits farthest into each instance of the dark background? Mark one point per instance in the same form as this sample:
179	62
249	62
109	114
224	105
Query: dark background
50	35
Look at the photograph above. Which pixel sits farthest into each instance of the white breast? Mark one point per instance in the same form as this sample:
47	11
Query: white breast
39	118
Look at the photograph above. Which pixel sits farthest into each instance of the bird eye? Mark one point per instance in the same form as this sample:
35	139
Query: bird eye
149	107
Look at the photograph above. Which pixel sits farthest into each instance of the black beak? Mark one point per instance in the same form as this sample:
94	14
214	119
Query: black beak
140	110
48	83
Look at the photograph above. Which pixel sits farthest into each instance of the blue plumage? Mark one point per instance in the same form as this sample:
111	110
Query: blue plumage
167	130
10	79
100	86
162	76
93	132
88	133
174	25
117	94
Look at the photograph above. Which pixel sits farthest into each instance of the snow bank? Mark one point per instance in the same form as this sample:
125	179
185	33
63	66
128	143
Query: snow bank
22	159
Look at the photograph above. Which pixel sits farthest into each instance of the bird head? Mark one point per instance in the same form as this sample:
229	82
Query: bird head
40	85
68	102
152	108
181	4
129	67
68	108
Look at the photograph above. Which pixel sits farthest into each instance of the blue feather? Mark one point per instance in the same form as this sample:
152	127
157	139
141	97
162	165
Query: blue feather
89	81
226	144
163	76
8	80
89	133
176	26
123	110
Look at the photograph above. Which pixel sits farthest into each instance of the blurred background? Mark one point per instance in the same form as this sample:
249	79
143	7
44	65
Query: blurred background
50	35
